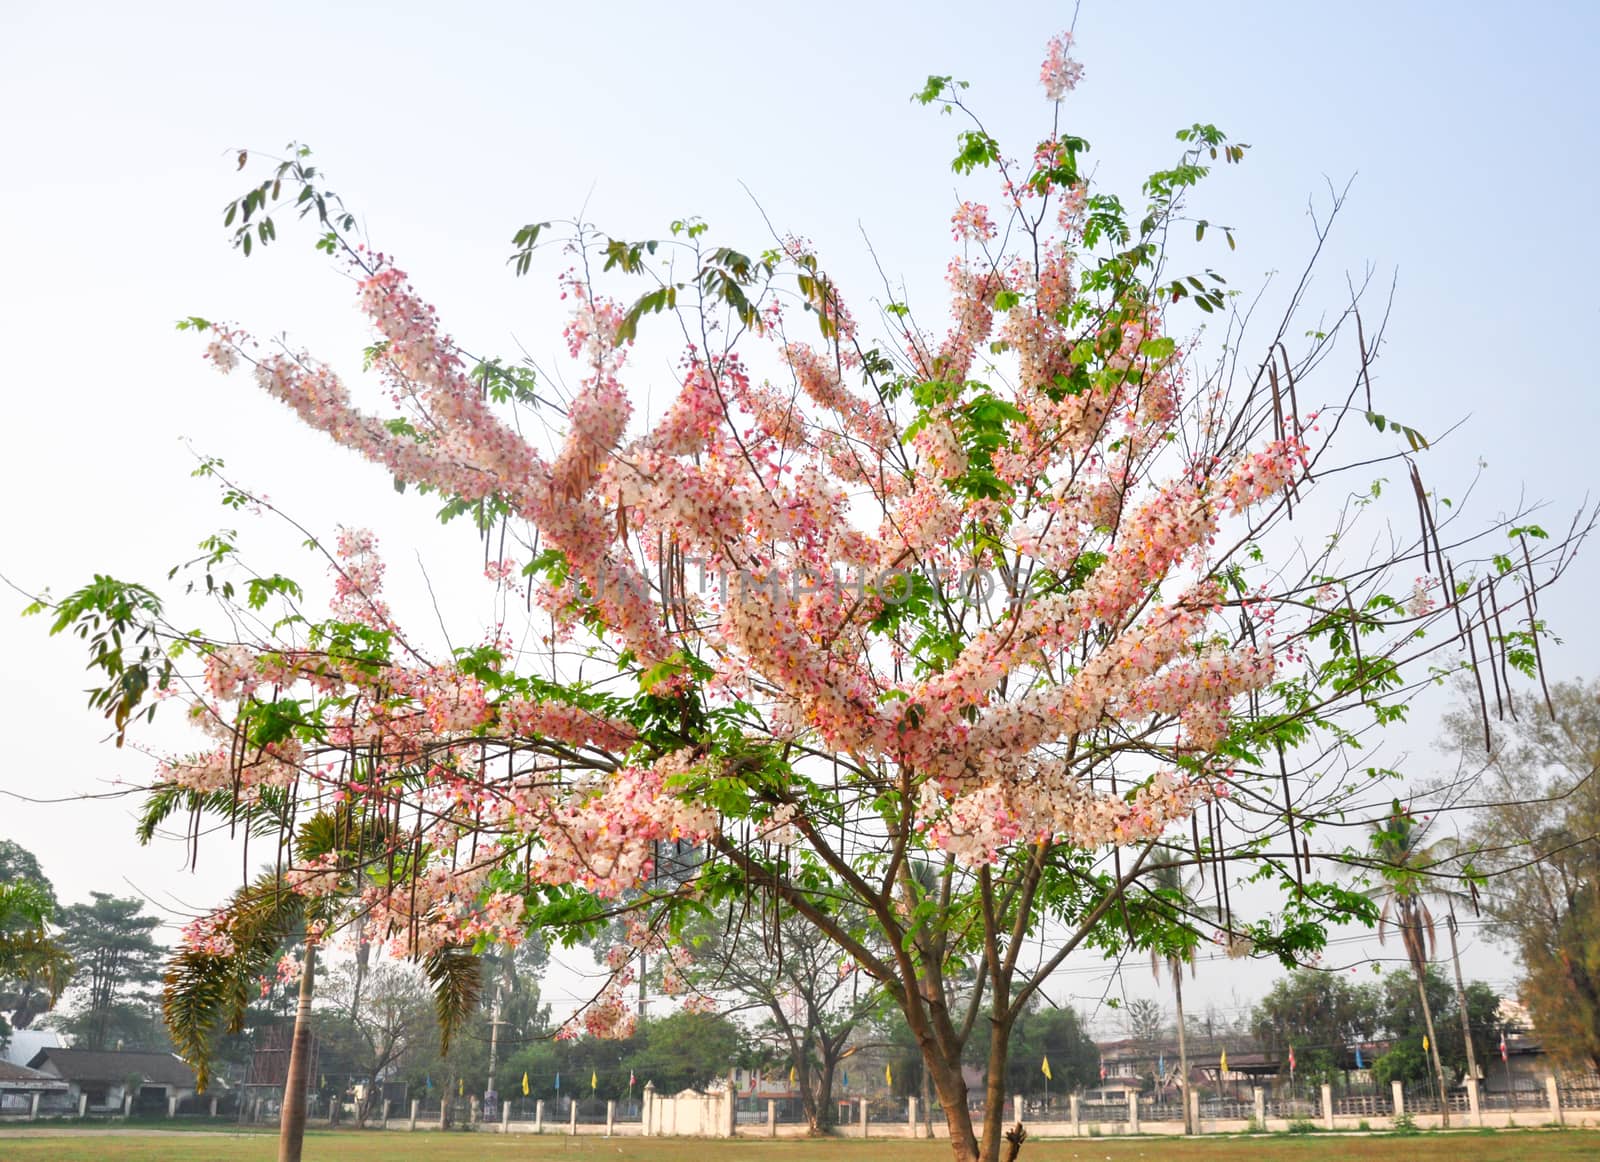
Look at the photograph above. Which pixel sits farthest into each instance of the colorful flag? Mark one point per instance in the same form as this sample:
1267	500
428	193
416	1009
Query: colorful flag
1359	1063
558	1081
1044	1068
461	1087
594	1079
524	1085
1502	1047
1223	1064
1291	1059
888	1076
844	1079
1102	1069
1424	1042
427	1082
630	1078
1161	1067
791	1076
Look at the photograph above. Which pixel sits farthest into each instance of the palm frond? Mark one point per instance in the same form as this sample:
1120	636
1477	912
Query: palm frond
456	976
206	993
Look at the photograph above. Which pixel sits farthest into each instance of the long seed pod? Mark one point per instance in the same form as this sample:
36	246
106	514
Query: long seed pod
1505	669
1489	654
1288	814
1422	517
1477	677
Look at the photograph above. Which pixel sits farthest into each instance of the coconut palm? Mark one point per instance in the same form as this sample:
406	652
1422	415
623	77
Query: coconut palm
1174	894
1405	863
209	984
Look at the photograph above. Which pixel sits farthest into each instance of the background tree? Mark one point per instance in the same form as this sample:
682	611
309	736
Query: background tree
1402	1017
111	941
34	966
1047	1031
1320	1014
1154	648
810	1001
394	1023
1535	838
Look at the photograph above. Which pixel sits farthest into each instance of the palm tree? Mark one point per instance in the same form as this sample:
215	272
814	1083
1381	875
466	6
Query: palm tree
27	950
209	986
1176	948
1404	862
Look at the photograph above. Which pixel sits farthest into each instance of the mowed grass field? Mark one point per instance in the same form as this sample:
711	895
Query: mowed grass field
148	1146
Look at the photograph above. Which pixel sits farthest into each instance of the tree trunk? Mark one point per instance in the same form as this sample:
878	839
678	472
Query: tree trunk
994	1091
1176	967
822	1111
951	1088
1433	1042
292	1128
1461	1001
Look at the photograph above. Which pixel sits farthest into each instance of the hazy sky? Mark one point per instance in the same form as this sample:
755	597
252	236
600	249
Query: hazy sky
1469	128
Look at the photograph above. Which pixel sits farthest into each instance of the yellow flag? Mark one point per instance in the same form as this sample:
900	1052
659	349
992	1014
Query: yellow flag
461	1088
1424	1042
791	1075
888	1076
524	1085
1224	1061
594	1080
1044	1068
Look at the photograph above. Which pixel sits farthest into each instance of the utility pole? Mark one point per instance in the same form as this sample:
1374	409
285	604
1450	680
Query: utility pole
490	1095
1461	997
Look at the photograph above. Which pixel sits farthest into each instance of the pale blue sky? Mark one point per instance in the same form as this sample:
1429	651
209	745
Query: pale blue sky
1471	128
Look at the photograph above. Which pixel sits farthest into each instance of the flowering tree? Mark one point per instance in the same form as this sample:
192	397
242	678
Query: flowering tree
928	639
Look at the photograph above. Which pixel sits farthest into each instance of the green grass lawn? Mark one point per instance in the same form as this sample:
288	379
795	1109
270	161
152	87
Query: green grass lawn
112	1146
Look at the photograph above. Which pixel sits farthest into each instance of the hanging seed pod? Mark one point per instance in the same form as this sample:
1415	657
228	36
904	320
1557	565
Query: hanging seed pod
1505	669
1489	654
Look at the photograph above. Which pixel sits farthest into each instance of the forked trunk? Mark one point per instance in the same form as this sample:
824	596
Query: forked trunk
292	1127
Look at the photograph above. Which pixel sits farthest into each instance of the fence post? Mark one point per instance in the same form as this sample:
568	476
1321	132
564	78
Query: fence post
1133	1111
1016	1107
383	1118
1194	1110
83	1105
648	1112
864	1116
1472	1101
611	1115
572	1121
1072	1108
1327	1105
1399	1091
772	1117
472	1111
1555	1100
444	1112
538	1116
505	1116
414	1104
911	1117
127	1105
33	1107
1261	1107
